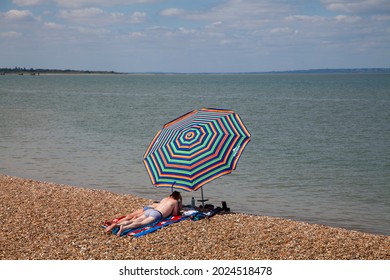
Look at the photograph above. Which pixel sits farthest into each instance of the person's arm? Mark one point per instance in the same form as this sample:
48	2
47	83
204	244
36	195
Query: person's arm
175	211
180	203
177	207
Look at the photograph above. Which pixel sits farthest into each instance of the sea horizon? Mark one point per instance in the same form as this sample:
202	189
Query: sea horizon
42	71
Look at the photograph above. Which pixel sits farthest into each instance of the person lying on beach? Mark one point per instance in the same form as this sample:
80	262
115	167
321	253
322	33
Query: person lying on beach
132	216
170	205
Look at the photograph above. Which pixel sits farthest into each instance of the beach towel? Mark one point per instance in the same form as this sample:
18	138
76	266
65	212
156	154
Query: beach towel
137	232
195	216
156	226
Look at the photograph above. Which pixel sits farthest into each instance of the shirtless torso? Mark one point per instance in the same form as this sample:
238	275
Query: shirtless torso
168	206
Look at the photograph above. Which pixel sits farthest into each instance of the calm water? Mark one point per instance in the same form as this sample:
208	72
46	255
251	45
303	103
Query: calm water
320	148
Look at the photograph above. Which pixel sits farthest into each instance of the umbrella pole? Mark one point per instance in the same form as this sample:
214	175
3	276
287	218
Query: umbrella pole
202	200
172	186
201	190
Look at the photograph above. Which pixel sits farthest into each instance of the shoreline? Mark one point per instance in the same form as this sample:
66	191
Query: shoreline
49	221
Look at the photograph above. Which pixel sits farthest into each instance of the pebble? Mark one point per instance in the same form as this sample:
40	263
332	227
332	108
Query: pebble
47	221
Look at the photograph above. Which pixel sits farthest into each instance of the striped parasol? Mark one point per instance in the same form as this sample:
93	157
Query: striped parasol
196	148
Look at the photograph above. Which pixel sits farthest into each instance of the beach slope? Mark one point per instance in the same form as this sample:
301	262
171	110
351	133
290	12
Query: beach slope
47	221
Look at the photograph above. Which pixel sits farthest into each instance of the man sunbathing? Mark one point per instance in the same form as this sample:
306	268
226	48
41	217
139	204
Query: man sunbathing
132	216
170	205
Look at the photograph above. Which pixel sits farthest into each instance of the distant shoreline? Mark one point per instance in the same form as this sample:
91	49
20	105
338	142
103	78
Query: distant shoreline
37	72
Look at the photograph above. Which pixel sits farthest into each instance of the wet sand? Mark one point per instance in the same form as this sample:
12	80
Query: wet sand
46	221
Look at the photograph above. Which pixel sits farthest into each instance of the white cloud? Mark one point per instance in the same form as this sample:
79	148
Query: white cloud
93	31
381	17
322	19
98	17
137	17
29	2
10	34
226	42
84	3
18	15
117	15
347	19
136	35
305	18
187	31
215	24
281	30
172	12
52	25
240	11
81	13
358	6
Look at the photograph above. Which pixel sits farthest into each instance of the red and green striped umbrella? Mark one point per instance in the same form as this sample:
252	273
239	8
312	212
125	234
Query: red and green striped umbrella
196	148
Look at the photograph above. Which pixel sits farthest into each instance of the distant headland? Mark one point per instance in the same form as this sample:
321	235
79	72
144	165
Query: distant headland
32	71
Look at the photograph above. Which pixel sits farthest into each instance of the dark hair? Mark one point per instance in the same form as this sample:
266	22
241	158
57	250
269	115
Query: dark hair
175	195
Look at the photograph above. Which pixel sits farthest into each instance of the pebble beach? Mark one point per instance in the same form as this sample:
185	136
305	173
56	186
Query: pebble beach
48	221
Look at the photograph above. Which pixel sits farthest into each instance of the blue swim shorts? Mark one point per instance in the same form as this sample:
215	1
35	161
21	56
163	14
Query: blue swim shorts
153	213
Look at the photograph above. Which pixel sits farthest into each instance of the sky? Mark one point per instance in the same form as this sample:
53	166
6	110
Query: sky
192	36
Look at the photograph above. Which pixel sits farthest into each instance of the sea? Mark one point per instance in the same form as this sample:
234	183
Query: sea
319	149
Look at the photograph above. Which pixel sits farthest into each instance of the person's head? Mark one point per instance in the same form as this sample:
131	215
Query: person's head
175	195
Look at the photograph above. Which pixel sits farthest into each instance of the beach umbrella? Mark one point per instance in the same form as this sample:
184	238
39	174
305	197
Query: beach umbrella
196	148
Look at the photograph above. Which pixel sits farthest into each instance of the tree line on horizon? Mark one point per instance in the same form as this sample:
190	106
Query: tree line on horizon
22	70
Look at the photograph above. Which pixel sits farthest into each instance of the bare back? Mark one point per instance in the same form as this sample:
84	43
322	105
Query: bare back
168	206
